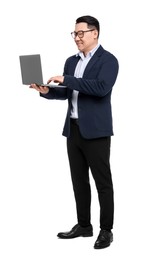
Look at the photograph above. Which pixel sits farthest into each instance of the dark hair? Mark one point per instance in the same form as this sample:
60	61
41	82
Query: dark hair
91	21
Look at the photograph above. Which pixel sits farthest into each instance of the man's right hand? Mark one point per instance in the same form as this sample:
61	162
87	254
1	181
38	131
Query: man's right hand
43	90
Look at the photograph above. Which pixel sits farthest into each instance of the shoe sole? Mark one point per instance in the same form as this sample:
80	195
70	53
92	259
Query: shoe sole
83	235
101	247
87	235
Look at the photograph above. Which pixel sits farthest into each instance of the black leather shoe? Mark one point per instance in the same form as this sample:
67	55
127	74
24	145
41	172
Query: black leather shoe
104	239
77	231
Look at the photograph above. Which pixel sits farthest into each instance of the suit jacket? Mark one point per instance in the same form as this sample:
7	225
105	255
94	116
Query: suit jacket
94	99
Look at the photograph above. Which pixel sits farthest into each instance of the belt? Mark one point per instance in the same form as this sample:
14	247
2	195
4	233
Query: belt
74	121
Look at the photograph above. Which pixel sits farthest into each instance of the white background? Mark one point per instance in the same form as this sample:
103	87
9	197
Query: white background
36	197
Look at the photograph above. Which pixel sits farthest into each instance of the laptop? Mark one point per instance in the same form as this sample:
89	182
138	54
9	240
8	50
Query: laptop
31	70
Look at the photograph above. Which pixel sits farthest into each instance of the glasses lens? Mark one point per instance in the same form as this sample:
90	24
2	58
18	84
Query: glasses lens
80	34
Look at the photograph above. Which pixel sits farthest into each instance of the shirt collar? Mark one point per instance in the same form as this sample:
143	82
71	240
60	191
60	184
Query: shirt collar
90	54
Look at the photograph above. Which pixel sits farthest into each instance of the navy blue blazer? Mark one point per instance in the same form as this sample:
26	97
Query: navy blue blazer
94	99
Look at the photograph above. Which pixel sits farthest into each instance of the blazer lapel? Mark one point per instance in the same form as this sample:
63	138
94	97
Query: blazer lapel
73	65
93	60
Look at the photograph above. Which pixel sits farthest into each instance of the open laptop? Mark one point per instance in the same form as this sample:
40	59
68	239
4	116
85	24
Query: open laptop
31	70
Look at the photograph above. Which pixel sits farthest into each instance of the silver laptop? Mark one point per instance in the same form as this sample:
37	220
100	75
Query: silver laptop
31	70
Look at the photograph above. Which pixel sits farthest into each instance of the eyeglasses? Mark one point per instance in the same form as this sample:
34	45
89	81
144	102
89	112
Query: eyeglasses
80	34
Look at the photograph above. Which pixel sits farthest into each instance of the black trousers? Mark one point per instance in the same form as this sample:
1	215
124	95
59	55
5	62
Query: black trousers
93	154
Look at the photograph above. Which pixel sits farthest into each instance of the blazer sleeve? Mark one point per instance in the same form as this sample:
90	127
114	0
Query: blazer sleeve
100	81
56	93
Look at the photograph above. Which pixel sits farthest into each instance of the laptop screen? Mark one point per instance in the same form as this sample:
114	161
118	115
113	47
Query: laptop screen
31	69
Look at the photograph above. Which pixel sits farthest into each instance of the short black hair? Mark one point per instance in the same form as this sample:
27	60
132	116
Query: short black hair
90	20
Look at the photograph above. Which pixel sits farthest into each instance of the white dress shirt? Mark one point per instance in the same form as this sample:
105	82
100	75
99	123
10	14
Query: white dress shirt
81	65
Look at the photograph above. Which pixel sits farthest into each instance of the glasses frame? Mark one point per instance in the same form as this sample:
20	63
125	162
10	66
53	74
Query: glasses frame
75	34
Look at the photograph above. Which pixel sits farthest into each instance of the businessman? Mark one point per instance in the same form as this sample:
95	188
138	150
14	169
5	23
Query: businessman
89	77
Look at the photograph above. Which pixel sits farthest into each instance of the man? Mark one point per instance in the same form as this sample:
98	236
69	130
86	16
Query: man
89	77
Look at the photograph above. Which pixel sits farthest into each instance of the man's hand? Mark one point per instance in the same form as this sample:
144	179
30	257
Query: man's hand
56	79
43	90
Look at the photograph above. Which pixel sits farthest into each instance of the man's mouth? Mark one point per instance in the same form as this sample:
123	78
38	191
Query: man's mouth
79	43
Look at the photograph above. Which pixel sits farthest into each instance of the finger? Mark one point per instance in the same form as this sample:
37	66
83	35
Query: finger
43	90
49	81
34	86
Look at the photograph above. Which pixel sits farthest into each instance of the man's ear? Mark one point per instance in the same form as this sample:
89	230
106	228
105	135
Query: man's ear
96	34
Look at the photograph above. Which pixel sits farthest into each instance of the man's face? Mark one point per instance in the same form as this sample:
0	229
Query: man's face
89	39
